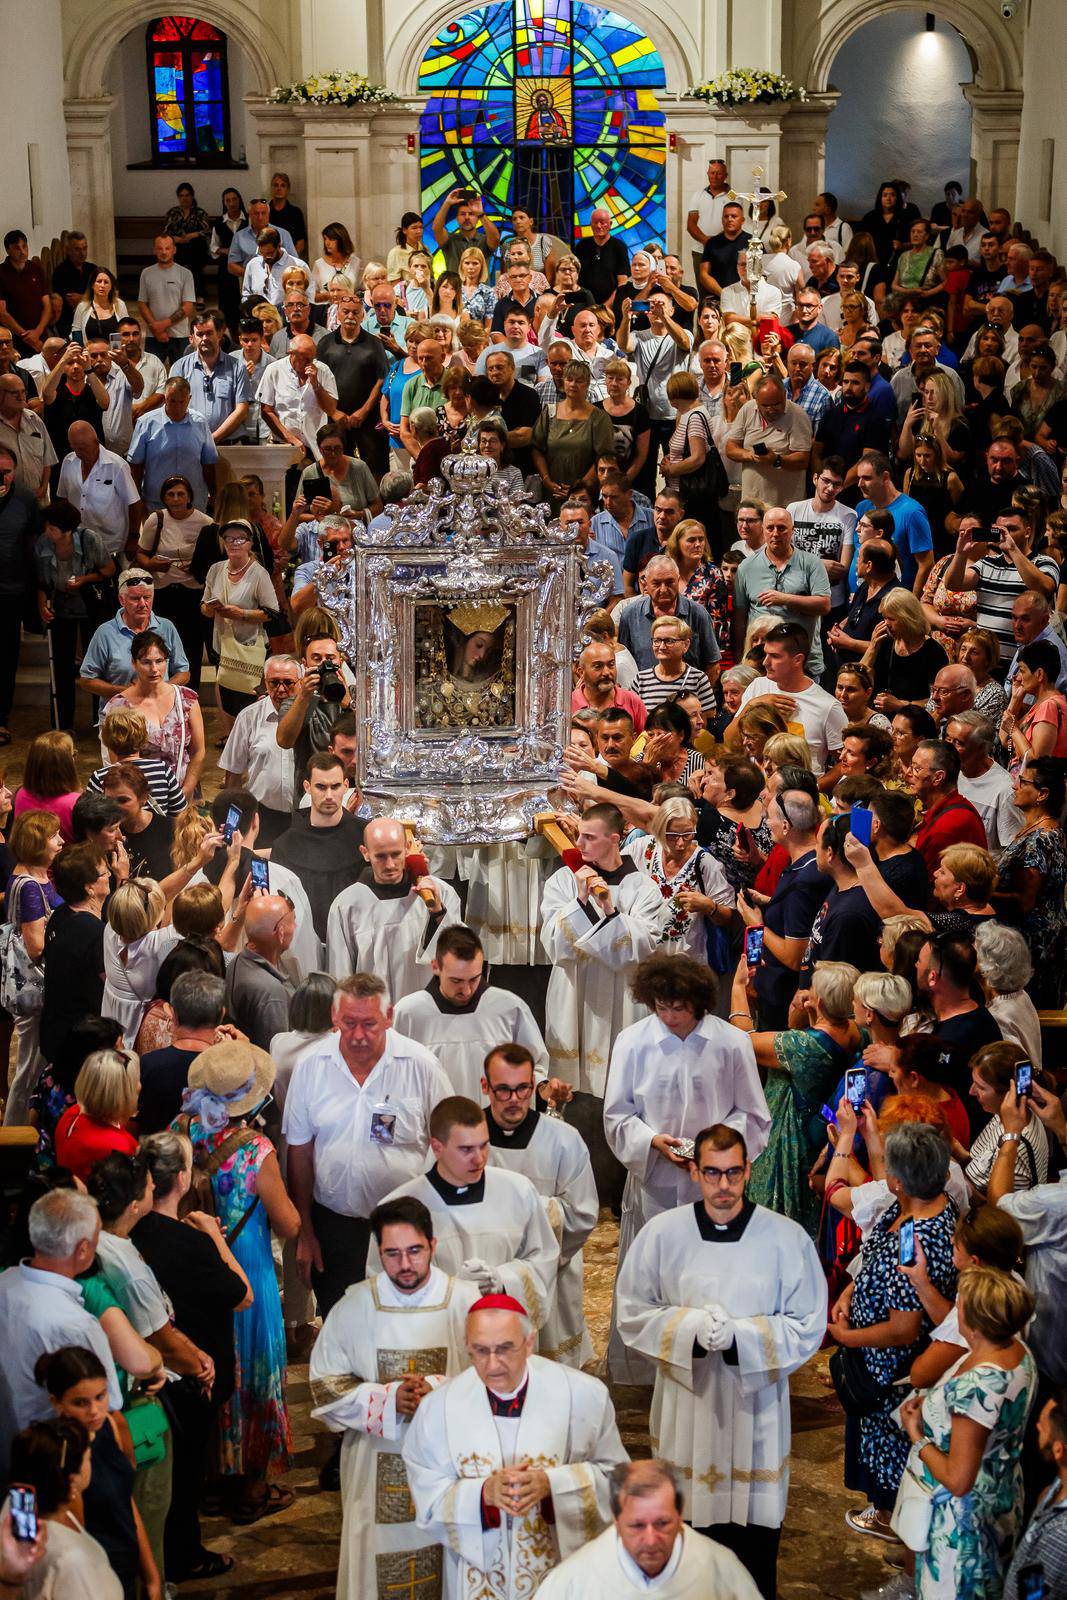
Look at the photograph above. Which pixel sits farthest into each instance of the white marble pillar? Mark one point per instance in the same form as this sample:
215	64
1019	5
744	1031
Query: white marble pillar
996	123
92	200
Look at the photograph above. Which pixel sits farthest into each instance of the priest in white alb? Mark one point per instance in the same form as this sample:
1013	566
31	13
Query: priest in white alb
728	1299
382	1349
555	1158
649	1550
676	1071
465	1015
388	922
509	1462
491	1225
598	920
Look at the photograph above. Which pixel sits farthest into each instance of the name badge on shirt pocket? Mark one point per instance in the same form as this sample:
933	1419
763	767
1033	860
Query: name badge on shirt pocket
383	1124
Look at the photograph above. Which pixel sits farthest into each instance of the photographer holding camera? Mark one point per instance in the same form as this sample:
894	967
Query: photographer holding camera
334	535
320	701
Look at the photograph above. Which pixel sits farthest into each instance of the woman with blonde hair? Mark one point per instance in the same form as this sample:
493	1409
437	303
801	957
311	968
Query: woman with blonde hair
29	901
670	674
962	884
786	750
936	411
473	338
853	319
985	1237
801	1064
902	658
476	293
966	1436
757	723
106	1092
780	269
980	650
269	319
691	881
50	779
136	939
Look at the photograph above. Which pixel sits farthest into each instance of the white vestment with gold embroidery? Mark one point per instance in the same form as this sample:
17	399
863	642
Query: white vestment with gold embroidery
508	1229
567	1428
723	1419
593	957
462	1037
504	884
373	1337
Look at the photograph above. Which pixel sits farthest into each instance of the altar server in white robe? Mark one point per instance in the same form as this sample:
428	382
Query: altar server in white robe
649	1550
508	1463
555	1158
728	1299
382	1349
504	887
677	1071
460	1016
491	1225
388	922
598	922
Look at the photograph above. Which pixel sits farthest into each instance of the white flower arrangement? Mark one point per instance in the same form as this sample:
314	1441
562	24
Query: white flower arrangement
742	86
332	89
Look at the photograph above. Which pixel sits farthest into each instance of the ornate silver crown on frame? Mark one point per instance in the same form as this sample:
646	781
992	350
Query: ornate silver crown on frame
460	620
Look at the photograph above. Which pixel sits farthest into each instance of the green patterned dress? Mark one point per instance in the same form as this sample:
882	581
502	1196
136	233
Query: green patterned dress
810	1063
972	1537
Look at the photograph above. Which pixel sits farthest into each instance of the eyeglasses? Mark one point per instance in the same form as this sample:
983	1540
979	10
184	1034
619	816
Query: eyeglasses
686	833
507	1091
718	1174
236	538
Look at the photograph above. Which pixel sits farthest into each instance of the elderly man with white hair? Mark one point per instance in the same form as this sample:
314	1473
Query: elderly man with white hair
508	1463
662	585
982	781
953	691
738	298
388	922
649	1549
771	439
1005	968
1031	619
41	1308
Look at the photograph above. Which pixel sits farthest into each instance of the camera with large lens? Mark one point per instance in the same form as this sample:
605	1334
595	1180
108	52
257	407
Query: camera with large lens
331	683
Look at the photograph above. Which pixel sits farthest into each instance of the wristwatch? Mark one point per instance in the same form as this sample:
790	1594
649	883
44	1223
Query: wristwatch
777	458
1008	1138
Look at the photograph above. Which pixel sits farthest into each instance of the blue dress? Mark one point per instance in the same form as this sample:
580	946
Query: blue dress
882	1288
254	1428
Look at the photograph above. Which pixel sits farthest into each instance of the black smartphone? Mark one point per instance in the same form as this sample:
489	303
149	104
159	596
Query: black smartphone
753	946
744	838
233	820
1024	1078
329	549
856	1086
859	825
23	1512
259	871
1031	1585
760	449
907	1242
317	488
737	372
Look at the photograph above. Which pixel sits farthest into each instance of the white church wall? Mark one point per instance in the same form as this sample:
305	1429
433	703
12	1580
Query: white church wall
35	137
901	111
1043	144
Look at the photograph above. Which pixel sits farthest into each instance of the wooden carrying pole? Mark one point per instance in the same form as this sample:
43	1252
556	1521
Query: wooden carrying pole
545	823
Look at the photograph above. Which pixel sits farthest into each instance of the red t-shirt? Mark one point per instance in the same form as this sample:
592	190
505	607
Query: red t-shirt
953	821
625	699
23	293
81	1141
956	1112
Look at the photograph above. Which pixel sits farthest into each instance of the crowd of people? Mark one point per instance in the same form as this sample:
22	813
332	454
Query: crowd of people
297	1091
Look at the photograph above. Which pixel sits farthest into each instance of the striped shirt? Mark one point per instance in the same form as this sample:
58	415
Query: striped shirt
655	692
164	791
999	586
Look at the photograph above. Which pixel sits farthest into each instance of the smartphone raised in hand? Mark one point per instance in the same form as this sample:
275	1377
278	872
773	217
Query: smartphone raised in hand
859	824
23	1512
856	1087
1024	1078
906	1236
233	821
259	872
753	946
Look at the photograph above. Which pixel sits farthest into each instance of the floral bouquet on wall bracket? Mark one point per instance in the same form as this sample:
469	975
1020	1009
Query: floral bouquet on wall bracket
332	89
746	86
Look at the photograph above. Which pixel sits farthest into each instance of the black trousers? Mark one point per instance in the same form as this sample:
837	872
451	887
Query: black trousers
64	634
343	1242
373	447
10	644
182	607
192	1414
755	1548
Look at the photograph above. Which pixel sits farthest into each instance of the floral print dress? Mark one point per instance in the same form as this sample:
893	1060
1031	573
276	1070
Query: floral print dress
972	1537
254	1434
683	932
949	602
1045	926
882	1288
809	1064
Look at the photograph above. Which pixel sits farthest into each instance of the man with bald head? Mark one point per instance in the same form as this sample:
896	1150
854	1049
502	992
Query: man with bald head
100	487
953	692
782	582
508	1463
26	436
322	844
296	396
257	991
389	920
598	685
1031	619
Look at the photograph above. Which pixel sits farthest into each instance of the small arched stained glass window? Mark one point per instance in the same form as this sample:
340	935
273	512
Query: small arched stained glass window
189	104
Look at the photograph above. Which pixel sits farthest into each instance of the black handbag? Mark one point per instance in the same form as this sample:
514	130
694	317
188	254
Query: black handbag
860	1394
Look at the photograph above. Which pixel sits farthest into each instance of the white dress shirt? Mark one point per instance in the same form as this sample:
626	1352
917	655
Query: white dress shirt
355	1167
737	298
295	402
118	418
253	749
103	498
261	282
42	1311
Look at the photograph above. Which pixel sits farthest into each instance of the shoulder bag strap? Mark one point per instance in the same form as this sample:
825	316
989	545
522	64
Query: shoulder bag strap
158	521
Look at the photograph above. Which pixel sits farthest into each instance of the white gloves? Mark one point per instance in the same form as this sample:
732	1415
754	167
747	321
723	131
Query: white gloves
716	1330
486	1277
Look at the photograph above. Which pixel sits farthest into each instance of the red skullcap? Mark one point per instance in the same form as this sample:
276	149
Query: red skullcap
499	1302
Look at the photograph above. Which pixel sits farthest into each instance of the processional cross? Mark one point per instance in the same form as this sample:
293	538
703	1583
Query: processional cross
754	254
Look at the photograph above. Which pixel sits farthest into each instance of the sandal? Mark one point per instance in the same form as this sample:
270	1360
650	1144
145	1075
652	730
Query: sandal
276	1499
210	1565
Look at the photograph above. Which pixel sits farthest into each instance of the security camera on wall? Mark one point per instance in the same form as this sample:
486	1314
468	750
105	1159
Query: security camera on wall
1008	9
